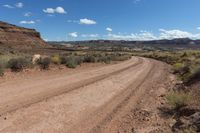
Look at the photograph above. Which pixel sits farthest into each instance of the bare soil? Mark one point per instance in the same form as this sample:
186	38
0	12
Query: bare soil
123	97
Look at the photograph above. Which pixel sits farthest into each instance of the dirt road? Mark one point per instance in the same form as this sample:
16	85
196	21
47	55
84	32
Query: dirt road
105	99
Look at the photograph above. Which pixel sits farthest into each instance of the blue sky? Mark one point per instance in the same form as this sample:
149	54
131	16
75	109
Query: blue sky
105	19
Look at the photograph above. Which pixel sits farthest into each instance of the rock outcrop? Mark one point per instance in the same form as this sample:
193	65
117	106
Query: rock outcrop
19	37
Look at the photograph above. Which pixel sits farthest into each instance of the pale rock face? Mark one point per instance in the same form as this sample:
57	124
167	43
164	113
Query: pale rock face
35	58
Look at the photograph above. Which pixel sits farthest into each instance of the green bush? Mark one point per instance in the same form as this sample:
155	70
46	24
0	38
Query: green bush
192	77
1	70
79	60
90	59
3	65
105	59
178	99
178	66
4	61
63	59
56	59
71	62
119	57
44	63
18	64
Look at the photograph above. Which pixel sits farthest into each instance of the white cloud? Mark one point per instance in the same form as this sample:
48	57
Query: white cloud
198	28
19	5
46	40
90	35
109	29
49	10
163	34
171	34
86	21
27	22
144	35
59	10
8	6
28	14
73	34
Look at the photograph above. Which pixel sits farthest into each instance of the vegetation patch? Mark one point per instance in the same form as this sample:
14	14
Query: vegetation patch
18	64
56	59
44	63
178	99
90	59
71	62
1	70
185	64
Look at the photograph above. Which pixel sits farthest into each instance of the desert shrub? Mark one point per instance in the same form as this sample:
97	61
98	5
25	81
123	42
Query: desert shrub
18	64
1	70
4	59
90	59
119	57
182	70
71	62
105	59
190	130
178	99
184	55
56	59
192	77
79	60
63	59
44	63
178	66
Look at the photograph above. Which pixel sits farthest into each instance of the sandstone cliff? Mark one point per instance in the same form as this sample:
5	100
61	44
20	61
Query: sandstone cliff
19	37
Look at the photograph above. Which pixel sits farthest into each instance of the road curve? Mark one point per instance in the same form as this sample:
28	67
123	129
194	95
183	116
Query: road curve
21	93
89	101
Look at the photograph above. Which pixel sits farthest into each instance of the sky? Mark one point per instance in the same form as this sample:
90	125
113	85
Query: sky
71	20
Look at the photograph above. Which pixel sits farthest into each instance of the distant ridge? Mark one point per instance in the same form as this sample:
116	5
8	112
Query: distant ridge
178	43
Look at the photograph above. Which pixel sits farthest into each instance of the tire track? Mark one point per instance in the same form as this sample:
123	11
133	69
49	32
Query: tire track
129	94
11	107
95	108
113	106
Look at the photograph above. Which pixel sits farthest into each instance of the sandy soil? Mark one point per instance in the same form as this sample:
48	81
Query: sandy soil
116	98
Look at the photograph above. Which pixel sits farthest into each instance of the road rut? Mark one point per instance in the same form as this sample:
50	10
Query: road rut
89	101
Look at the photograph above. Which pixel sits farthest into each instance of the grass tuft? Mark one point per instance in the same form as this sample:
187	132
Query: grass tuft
178	99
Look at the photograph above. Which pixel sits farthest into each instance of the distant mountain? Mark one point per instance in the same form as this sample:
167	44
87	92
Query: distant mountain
19	37
179	43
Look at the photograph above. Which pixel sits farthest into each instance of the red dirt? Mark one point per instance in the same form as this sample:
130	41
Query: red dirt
114	98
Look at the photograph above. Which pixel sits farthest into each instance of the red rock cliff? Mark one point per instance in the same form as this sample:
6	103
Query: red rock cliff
14	36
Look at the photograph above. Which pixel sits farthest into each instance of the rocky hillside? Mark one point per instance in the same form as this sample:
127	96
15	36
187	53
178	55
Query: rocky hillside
19	37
